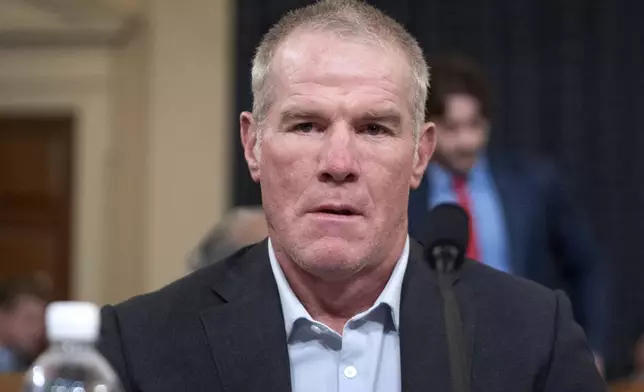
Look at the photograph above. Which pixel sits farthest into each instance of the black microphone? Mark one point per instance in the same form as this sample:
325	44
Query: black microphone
446	238
445	245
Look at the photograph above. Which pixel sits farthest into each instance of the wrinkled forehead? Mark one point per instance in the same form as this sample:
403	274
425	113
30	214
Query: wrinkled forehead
327	58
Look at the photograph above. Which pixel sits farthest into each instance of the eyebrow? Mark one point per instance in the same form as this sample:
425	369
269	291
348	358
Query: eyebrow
388	116
391	117
292	114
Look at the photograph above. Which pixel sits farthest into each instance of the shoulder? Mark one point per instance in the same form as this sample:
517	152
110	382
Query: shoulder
523	325
511	297
521	160
532	168
512	310
486	279
491	288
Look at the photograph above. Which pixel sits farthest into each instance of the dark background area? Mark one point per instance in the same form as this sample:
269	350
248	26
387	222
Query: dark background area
568	77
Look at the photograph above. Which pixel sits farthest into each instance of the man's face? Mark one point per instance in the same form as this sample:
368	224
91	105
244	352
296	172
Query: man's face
639	356
461	133
24	324
336	160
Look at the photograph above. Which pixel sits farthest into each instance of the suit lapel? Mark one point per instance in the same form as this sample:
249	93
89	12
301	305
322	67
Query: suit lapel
423	343
423	340
246	335
248	340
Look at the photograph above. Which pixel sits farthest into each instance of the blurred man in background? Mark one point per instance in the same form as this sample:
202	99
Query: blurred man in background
241	226
635	382
22	321
522	220
638	373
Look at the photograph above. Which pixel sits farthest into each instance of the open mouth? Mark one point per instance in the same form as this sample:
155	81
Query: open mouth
345	212
337	210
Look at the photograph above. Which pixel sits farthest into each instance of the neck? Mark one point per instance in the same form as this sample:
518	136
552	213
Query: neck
445	164
452	170
335	302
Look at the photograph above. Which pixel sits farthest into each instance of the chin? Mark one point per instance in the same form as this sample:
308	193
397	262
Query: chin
333	259
332	272
463	167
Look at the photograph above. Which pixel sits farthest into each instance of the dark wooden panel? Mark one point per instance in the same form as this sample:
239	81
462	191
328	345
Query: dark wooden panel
35	199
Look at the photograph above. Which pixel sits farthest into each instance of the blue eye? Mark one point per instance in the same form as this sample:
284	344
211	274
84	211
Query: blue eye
375	130
304	127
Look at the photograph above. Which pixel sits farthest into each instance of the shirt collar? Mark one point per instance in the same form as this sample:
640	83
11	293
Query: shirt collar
8	360
293	309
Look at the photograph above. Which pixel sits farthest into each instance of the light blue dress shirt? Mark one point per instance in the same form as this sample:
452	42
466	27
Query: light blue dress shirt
366	357
487	211
8	361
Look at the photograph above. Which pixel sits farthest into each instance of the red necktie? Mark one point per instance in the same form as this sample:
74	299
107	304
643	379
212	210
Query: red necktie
463	198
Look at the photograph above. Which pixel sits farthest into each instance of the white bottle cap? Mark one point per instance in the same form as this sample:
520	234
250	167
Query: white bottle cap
75	321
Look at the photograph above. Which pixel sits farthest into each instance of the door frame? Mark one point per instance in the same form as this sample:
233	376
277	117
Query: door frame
58	81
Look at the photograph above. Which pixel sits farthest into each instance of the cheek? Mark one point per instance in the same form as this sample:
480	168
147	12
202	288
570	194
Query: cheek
481	138
444	141
388	176
17	330
287	167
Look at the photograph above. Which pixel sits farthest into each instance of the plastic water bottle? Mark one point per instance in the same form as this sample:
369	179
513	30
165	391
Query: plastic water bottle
72	364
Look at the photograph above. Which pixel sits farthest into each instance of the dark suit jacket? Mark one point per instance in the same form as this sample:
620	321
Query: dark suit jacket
549	243
221	329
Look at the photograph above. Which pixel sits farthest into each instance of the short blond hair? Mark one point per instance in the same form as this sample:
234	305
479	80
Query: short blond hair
346	18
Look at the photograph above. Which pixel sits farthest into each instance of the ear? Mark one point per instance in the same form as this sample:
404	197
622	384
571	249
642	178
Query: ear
424	151
249	139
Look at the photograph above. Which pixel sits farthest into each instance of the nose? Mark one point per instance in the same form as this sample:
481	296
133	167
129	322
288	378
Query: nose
338	162
468	138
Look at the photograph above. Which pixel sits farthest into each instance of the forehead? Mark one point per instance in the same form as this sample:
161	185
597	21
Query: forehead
325	63
461	105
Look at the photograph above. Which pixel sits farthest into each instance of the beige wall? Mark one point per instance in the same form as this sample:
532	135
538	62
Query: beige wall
125	210
190	96
152	140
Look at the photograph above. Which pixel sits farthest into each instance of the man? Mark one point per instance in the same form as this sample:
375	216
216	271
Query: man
240	227
522	221
638	371
338	298
22	319
635	382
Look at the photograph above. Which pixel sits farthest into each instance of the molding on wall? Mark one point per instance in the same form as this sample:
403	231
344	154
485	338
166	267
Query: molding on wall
75	23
